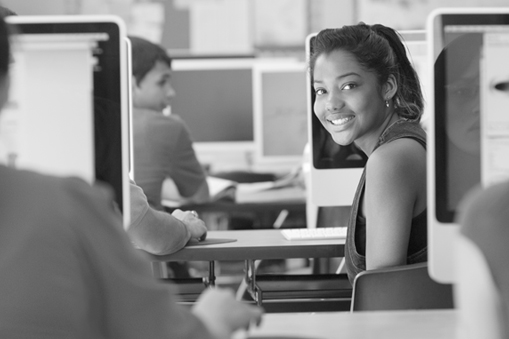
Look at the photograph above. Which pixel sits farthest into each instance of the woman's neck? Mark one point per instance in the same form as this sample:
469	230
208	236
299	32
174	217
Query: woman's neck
368	145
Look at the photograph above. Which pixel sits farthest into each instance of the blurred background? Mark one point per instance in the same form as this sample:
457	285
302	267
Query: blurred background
245	27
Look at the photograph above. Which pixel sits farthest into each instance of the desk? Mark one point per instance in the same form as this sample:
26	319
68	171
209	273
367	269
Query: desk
251	245
254	245
425	324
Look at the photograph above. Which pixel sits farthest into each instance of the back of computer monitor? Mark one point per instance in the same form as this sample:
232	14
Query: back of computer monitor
335	170
469	126
68	109
279	99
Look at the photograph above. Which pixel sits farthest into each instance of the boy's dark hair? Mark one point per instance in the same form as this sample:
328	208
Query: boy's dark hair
145	54
5	54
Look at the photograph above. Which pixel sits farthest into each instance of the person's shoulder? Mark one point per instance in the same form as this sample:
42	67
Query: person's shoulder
486	202
401	163
160	119
158	123
144	113
404	151
482	216
176	120
51	193
31	181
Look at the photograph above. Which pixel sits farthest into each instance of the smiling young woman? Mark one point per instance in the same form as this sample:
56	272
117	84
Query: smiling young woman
368	93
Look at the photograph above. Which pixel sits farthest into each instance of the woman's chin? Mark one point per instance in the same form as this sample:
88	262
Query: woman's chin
342	141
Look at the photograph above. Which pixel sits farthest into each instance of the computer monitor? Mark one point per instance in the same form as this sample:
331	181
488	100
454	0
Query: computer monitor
68	108
335	170
280	111
469	126
214	96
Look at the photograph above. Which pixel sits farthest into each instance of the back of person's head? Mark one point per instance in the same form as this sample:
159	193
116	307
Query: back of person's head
145	55
378	49
4	11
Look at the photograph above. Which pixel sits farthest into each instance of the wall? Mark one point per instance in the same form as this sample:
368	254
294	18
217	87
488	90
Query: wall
411	14
245	26
46	7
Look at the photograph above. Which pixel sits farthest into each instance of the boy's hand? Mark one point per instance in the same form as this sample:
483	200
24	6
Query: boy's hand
223	315
194	225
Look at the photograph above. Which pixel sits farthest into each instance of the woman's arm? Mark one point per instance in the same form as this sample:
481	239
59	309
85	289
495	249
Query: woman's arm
395	193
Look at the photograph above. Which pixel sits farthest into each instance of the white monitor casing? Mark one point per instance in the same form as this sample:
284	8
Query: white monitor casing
123	83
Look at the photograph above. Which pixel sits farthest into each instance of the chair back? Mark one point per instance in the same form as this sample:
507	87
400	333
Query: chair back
405	287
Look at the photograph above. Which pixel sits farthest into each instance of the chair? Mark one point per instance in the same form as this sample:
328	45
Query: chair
298	292
321	291
399	288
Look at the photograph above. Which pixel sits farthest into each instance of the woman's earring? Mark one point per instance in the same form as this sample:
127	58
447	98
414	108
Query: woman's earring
387	103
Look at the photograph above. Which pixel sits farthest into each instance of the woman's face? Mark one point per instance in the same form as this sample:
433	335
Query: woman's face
463	110
349	101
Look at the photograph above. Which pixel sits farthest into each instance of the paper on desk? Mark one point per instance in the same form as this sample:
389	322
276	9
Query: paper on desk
287	188
274	194
291	179
221	189
255	186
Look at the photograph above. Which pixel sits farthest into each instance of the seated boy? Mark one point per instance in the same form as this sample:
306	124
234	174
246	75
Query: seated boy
165	164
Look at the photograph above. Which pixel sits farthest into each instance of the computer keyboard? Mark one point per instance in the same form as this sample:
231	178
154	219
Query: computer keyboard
314	233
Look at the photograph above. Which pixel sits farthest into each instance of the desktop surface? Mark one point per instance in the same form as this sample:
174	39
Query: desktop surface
254	245
422	324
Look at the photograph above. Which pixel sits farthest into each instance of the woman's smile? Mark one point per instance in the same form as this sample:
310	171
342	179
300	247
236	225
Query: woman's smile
341	121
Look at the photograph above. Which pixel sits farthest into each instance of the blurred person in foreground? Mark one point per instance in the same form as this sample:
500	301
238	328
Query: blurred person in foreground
70	270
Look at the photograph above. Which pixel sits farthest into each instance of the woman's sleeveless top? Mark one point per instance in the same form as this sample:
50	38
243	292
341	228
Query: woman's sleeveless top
355	247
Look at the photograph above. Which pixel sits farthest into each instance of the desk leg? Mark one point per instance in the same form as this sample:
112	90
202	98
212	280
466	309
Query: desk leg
211	279
250	278
251	274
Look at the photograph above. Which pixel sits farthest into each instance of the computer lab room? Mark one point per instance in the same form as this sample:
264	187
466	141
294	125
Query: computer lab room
247	169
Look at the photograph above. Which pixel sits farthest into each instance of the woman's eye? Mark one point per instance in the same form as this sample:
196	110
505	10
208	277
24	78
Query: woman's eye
319	91
349	86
